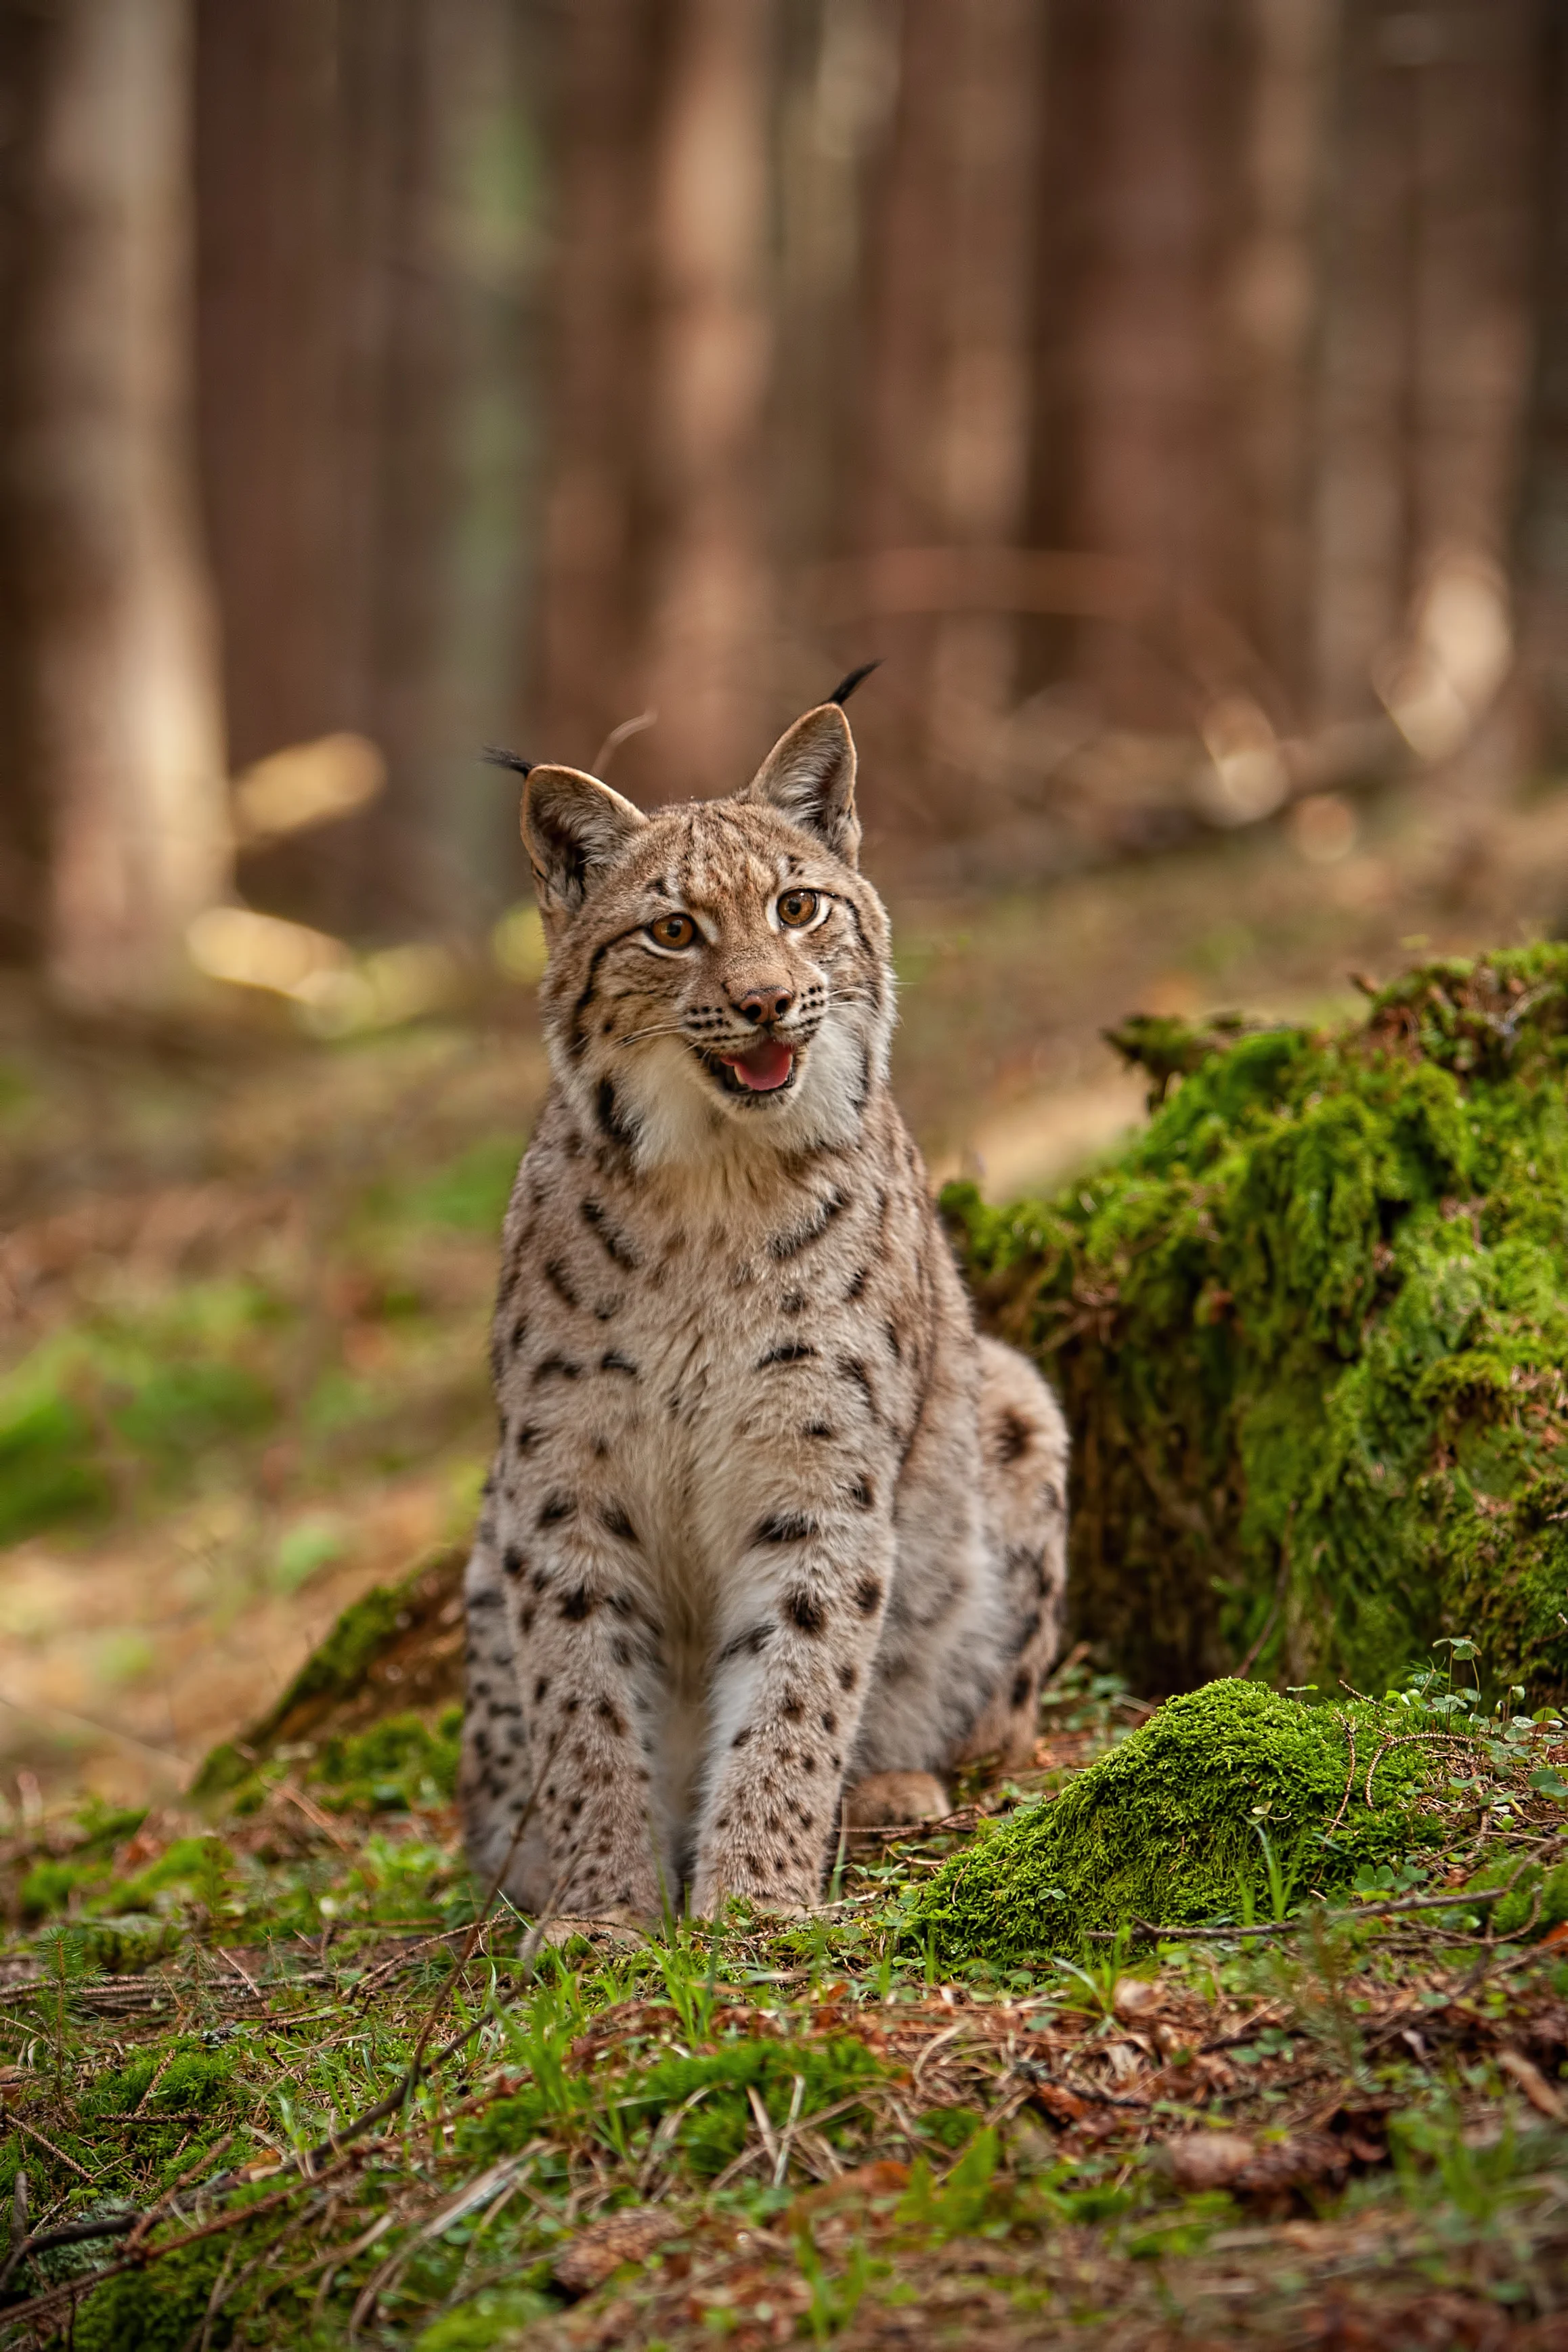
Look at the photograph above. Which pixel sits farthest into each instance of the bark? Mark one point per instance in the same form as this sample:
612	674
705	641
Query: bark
981	440
946	459
1543	529
1149	404
1275	293
24	61
1424	366
130	735
710	615
596	360
346	358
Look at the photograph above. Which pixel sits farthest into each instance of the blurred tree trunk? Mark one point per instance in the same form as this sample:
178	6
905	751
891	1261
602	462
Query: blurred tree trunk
1276	295
346	163
597	368
1157	96
1542	531
1359	583
269	323
981	442
709	643
946	458
1427	324
24	852
121	637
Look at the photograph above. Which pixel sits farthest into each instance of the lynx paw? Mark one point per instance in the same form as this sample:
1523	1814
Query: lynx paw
892	1800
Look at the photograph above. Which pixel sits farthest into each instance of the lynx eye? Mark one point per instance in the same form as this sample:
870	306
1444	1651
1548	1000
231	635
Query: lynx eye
797	907
672	931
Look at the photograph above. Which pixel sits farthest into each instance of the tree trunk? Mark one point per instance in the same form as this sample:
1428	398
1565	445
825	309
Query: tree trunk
129	719
981	438
1542	531
709	628
596	376
360	370
1150	400
1275	299
25	46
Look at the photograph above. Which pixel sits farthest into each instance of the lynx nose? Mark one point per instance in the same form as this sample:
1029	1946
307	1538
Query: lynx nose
770	1002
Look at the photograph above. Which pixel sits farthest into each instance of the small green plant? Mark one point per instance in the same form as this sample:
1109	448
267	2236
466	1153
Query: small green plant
957	2205
833	2301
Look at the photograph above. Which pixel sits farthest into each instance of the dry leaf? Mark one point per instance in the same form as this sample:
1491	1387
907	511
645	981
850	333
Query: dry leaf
1135	1999
627	2237
1253	2168
1533	2082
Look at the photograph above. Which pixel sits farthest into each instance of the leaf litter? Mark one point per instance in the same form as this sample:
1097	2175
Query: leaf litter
282	2078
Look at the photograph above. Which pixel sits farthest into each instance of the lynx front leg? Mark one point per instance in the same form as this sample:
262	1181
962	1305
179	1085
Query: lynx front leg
788	1689
586	1654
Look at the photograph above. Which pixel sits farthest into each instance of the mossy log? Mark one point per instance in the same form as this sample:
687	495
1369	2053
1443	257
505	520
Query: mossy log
1310	1331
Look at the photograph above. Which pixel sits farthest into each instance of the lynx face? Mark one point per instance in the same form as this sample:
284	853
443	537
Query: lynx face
719	980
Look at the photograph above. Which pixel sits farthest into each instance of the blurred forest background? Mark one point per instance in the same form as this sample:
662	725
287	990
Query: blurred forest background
1173	394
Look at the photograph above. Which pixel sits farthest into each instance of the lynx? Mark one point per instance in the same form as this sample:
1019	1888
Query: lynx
766	1516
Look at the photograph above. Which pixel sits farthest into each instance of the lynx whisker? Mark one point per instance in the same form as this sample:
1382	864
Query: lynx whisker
655	1029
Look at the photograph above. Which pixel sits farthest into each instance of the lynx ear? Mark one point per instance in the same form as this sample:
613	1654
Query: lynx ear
575	829
809	778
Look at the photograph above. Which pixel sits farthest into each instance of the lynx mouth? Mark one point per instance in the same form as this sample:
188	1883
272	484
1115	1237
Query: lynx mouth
764	1069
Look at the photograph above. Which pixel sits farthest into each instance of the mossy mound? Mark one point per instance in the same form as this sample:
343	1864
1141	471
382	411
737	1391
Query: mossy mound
1310	1331
1170	1828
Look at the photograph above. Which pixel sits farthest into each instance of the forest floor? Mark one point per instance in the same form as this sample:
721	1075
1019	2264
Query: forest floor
244	1280
286	2083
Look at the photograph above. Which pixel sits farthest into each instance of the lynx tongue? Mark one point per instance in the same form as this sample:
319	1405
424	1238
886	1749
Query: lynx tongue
765	1066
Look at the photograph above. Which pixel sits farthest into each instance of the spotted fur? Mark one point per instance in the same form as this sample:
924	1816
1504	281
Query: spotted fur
765	1515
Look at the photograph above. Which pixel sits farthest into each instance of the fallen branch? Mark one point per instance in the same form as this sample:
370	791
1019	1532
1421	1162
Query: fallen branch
1461	1898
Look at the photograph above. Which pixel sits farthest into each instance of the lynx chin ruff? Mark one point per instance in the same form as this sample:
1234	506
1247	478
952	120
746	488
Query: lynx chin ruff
767	1517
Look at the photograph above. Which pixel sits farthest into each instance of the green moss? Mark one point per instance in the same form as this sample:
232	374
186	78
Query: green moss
496	2317
398	1644
156	1387
471	1194
46	1471
333	1671
400	1763
161	2309
1309	1331
1166	1827
180	2077
717	2126
1537	1899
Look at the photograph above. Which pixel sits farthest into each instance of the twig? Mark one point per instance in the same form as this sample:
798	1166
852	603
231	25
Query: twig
1459	1899
32	2133
1350	1776
120	2225
315	1816
781	2162
328	2150
155	2213
475	2193
771	2148
1407	1739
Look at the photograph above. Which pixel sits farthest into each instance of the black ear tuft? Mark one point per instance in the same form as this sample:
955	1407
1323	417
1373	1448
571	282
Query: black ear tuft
845	687
575	829
495	757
